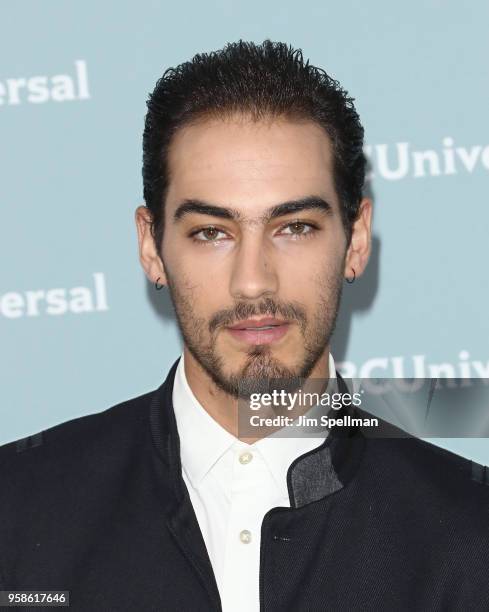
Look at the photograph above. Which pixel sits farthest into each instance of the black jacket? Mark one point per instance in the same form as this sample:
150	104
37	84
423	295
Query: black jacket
98	506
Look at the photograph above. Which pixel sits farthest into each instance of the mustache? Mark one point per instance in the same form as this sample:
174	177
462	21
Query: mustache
245	310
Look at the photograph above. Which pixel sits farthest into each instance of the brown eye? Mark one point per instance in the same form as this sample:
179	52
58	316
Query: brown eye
297	227
210	233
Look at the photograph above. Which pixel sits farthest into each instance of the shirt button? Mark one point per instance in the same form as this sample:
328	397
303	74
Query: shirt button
245	536
245	457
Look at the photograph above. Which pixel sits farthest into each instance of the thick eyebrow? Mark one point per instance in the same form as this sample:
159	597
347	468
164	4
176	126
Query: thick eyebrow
285	208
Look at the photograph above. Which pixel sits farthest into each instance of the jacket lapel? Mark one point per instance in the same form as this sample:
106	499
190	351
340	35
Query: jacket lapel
327	468
181	519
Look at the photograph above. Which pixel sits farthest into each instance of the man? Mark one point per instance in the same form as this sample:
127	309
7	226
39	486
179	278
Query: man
253	176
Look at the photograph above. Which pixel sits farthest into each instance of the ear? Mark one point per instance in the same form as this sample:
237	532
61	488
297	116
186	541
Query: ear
358	252
148	254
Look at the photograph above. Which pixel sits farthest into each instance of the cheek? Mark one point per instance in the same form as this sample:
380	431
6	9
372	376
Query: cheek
315	289
206	275
306	268
203	291
301	287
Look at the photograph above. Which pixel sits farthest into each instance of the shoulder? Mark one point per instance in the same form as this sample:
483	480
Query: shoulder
57	481
429	482
75	444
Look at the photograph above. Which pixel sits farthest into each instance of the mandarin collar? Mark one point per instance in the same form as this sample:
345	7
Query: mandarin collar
311	476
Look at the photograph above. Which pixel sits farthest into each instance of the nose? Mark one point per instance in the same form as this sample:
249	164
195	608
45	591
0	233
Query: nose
253	274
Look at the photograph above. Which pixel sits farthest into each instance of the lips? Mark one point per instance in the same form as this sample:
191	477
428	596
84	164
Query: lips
259	331
258	323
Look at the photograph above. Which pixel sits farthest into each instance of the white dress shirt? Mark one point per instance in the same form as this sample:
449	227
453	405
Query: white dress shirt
232	485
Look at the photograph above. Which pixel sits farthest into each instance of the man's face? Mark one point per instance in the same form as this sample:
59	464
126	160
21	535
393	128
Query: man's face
235	258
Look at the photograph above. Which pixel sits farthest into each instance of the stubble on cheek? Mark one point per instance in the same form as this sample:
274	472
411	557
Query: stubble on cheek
184	299
323	320
194	328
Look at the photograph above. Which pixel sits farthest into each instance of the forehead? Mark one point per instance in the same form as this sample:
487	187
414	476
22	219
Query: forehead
250	164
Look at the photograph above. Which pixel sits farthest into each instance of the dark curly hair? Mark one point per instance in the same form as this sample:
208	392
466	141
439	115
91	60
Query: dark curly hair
263	80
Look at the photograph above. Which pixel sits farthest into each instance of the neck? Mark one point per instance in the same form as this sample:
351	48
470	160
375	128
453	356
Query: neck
223	407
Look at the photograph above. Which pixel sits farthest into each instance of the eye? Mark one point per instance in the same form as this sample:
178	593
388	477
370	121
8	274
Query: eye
298	229
207	234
